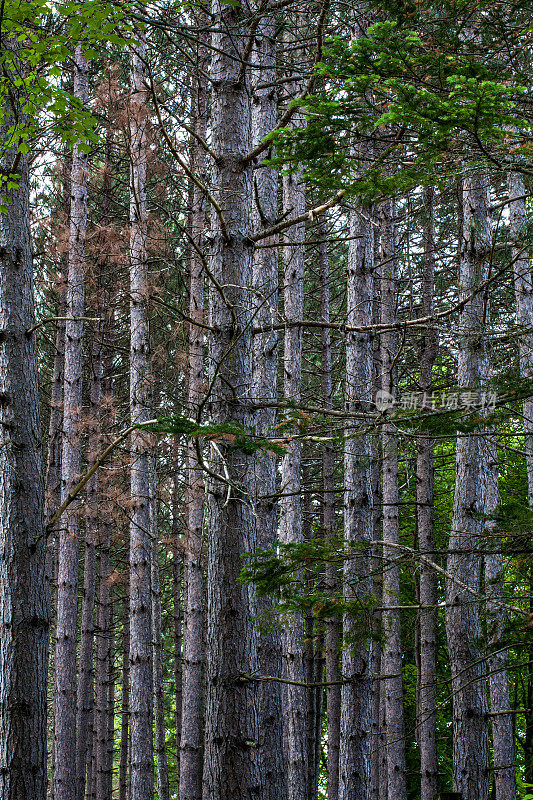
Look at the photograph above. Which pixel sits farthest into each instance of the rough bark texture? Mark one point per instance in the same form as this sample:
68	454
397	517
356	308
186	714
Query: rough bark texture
503	750
162	781
391	656
332	636
523	288
85	698
141	699
354	765
265	375
192	723
290	525
470	722
67	591
232	757
177	606
428	615
24	613
124	762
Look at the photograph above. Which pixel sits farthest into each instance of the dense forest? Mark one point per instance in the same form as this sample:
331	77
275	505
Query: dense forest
266	400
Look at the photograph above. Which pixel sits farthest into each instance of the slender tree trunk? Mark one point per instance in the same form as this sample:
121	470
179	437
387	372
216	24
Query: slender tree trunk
354	764
192	715
378	754
290	525
391	656
470	722
24	612
428	615
232	757
65	783
163	788
177	617
332	635
124	761
265	378
499	691
141	685
85	699
52	497
104	672
523	288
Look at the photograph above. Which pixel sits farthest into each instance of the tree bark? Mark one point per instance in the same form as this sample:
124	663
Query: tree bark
23	644
391	655
290	524
354	765
232	757
85	698
333	633
193	657
523	289
470	721
162	781
265	380
141	684
65	782
124	762
428	614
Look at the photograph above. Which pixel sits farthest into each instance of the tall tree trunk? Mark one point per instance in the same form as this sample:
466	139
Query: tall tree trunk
265	379
332	635
192	665
65	783
378	753
470	725
85	699
391	655
177	608
52	483
162	782
523	289
141	686
290	525
24	612
428	615
124	759
499	691
104	668
232	758
354	763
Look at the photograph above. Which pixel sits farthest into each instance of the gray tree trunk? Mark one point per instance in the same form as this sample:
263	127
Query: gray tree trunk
65	782
355	731
141	685
162	781
85	697
177	607
428	615
470	721
332	636
391	655
523	288
265	379
503	748
24	612
124	759
193	659
290	524
232	756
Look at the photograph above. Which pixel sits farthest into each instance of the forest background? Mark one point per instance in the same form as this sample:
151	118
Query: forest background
266	347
